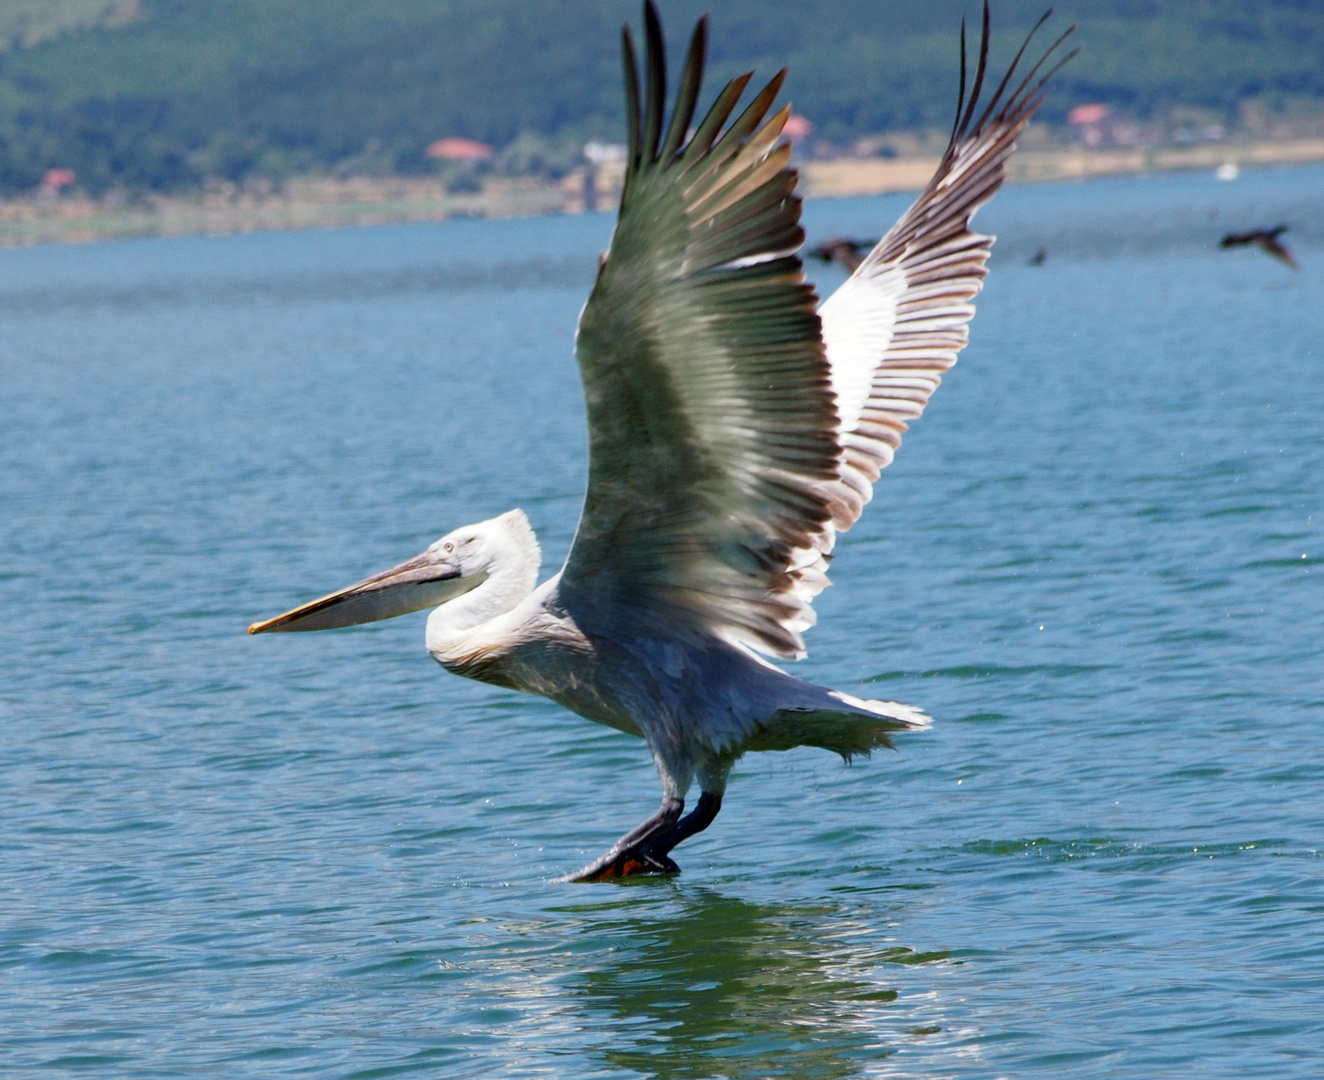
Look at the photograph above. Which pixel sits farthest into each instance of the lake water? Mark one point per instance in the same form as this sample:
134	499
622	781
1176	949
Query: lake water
1095	563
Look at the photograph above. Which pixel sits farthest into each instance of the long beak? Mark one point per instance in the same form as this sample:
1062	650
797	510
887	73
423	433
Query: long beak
412	586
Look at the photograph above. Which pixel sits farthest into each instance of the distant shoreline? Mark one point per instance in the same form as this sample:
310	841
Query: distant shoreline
327	203
876	176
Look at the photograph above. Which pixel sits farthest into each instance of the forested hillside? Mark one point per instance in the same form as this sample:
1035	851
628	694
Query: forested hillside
159	94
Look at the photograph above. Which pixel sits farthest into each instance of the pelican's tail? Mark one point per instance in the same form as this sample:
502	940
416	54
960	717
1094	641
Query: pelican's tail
839	722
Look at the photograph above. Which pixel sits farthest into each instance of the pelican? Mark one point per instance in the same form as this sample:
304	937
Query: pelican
735	428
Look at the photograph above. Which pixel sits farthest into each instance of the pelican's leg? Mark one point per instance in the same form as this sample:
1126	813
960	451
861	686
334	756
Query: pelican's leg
646	849
698	819
629	855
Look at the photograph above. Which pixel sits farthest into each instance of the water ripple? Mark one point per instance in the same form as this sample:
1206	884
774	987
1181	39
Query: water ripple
320	856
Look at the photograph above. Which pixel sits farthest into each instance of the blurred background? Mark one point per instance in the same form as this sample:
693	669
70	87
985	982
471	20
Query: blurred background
514	106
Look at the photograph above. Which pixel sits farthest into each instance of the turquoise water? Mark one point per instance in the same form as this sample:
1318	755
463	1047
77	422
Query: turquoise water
1095	562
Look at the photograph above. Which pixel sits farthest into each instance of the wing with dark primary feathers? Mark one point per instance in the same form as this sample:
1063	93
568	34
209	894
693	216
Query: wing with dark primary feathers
712	427
727	443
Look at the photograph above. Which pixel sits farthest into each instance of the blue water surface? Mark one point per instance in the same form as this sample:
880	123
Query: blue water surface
1095	563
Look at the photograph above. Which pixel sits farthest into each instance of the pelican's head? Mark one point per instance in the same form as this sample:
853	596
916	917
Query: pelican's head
457	563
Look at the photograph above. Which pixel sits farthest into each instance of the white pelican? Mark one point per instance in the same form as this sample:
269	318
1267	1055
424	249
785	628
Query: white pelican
735	427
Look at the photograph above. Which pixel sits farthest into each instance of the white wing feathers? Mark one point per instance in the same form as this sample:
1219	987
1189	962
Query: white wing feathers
901	318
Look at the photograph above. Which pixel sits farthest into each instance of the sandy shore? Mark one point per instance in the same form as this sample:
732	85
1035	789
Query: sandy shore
323	203
878	175
300	204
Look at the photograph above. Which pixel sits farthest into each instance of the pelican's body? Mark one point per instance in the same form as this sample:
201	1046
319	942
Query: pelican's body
699	703
735	427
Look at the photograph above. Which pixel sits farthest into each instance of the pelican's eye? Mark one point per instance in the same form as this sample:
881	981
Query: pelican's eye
447	546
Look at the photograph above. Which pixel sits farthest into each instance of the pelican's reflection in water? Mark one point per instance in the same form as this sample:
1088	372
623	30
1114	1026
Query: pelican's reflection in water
701	985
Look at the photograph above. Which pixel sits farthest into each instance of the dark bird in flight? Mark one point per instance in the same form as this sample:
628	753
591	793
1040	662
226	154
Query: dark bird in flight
1266	240
840	249
1038	258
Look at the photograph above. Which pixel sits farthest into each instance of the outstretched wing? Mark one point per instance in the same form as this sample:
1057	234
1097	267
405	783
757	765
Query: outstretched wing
899	321
727	445
712	424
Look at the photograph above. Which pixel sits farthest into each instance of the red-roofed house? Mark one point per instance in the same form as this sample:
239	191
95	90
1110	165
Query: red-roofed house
797	127
1094	122
58	179
458	149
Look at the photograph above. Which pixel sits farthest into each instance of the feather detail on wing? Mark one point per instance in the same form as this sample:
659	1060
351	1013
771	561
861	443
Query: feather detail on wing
899	321
712	424
727	443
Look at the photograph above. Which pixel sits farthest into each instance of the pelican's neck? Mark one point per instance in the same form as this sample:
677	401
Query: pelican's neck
512	573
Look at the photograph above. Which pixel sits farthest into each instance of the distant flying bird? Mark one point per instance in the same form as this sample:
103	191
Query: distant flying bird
1039	257
735	427
1266	240
840	249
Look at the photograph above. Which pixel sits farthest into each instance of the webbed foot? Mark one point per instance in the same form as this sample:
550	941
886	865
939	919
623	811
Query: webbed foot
633	862
637	851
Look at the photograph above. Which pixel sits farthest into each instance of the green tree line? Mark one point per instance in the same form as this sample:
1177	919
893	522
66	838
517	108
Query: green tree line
168	92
